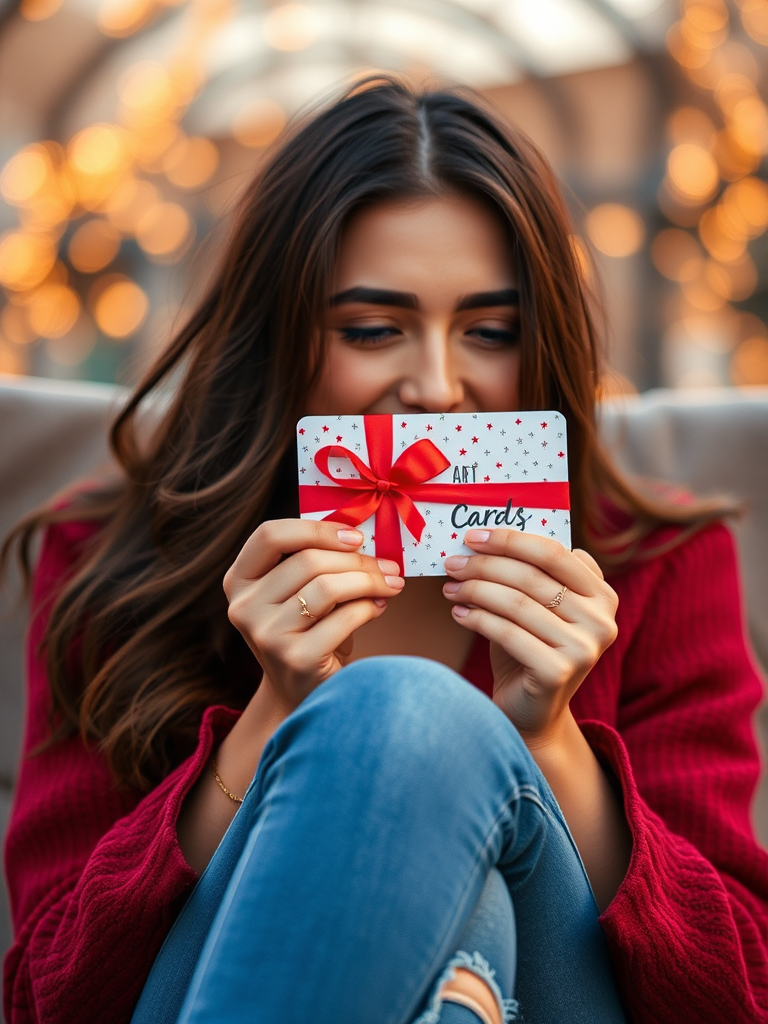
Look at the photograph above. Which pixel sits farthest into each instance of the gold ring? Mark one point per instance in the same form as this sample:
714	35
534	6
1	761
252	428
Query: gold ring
558	599
304	610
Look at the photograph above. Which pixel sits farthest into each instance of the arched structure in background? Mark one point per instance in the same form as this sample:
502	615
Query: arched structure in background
127	127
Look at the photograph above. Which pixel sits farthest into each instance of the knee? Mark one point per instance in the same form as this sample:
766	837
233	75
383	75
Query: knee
402	713
416	701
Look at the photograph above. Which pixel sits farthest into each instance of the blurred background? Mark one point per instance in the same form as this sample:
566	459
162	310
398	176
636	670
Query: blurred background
128	128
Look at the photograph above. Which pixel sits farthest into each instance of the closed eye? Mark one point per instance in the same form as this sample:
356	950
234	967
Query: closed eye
497	335
368	335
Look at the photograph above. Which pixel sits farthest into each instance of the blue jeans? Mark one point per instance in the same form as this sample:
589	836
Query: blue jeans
367	861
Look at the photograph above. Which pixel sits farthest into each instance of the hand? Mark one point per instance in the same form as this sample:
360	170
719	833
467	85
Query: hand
342	589
540	656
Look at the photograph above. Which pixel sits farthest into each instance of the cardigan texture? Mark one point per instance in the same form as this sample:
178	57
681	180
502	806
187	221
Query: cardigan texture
96	875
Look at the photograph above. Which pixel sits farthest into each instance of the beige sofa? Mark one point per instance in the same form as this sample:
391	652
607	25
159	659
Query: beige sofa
714	441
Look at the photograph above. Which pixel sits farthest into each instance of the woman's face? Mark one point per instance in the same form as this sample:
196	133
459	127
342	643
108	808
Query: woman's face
424	313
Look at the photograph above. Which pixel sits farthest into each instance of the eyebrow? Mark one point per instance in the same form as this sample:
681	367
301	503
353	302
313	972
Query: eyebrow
408	300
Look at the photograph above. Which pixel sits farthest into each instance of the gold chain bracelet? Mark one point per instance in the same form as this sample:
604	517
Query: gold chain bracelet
237	799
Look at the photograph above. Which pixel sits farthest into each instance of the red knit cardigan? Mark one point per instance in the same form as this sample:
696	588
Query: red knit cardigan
96	875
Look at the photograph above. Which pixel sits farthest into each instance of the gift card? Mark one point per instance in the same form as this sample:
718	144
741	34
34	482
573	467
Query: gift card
415	484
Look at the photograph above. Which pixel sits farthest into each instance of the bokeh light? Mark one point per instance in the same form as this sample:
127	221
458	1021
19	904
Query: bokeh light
120	306
677	255
120	18
189	163
754	18
38	10
94	245
692	172
15	326
258	124
615	230
25	259
164	231
54	310
128	203
749	365
291	27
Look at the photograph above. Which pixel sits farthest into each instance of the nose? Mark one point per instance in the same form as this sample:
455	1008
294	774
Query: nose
431	378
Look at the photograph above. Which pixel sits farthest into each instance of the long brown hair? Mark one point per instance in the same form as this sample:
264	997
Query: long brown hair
138	641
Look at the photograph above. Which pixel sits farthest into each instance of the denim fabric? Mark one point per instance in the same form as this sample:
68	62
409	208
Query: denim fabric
348	879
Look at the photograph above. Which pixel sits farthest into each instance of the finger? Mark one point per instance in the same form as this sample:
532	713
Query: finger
514	605
588	560
548	555
296	573
329	634
325	592
517	575
278	537
551	668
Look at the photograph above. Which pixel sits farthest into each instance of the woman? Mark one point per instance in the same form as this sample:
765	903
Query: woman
406	848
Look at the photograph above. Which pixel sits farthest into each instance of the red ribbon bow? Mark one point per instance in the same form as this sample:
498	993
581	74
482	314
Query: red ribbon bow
389	490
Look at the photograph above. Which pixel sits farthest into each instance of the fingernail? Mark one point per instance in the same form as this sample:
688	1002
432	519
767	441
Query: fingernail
477	536
379	601
459	610
395	581
452	587
386	566
350	537
456	561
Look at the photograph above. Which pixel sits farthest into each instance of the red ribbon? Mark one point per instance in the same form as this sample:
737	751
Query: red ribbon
388	491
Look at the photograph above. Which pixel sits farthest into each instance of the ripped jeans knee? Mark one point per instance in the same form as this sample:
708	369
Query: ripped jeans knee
491	939
440	1010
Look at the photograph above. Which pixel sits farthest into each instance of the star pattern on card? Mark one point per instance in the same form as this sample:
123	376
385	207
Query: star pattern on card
488	464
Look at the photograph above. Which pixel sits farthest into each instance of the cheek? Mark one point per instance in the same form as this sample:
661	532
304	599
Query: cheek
501	382
347	383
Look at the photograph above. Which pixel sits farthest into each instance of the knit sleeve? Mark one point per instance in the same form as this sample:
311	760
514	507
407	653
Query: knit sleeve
688	928
95	874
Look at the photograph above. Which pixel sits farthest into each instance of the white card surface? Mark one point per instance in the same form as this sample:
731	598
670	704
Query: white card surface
421	481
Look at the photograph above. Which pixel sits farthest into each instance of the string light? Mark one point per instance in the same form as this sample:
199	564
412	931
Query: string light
101	175
709	186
